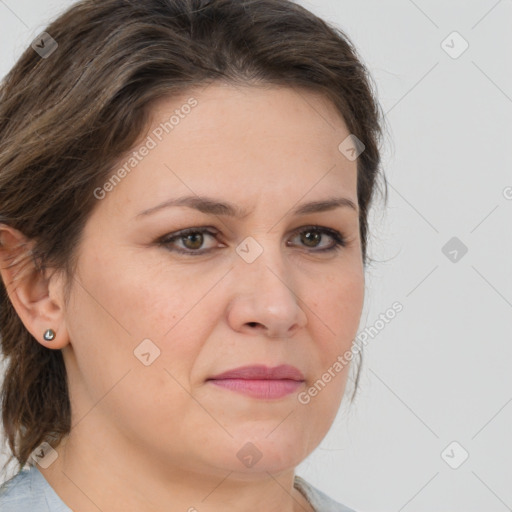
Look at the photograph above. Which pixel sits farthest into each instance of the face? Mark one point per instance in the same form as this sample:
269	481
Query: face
260	289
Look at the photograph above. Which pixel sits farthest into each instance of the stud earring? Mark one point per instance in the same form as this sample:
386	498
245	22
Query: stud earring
49	334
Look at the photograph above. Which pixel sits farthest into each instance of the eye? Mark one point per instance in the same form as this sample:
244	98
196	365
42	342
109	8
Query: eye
311	236
192	240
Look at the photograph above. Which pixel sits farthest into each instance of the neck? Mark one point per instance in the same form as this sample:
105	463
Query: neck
90	476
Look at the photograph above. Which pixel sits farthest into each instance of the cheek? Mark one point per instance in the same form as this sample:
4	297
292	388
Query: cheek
337	307
176	311
159	300
105	331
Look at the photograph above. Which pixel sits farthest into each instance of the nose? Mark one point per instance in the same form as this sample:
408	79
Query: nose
264	300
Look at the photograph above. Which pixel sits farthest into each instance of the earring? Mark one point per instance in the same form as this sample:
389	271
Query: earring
49	334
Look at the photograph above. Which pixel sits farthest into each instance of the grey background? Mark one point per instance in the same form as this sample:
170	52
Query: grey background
440	371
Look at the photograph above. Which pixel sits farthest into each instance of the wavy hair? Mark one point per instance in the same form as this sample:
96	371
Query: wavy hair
67	118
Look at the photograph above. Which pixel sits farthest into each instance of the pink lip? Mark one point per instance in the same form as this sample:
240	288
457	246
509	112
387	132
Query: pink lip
261	381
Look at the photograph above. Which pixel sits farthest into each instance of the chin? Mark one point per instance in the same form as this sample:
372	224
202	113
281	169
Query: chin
250	453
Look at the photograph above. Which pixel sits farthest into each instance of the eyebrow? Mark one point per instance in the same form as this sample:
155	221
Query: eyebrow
213	206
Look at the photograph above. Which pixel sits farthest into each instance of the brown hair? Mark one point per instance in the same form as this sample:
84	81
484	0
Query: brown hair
66	119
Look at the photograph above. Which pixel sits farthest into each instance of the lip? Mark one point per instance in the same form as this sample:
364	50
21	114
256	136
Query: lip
260	381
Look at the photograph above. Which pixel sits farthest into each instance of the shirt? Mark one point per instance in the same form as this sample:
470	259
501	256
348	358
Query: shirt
28	491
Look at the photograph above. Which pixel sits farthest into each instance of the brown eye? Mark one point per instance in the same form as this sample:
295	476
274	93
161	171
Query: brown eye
311	238
191	241
195	239
188	241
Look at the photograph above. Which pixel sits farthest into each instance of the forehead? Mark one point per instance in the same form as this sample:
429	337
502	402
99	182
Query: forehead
258	110
241	142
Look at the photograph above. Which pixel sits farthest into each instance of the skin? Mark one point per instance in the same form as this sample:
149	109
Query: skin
146	437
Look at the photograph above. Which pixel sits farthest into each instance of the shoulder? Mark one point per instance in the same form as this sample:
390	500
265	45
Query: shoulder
319	500
28	491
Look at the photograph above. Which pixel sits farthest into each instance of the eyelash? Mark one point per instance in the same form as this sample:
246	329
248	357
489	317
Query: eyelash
339	240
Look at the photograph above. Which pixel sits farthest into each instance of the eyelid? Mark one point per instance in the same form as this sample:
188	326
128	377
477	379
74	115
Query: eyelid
340	240
176	235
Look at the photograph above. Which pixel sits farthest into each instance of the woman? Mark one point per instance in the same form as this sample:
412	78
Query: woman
184	189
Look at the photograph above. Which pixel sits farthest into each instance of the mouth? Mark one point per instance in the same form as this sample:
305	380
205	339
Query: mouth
260	381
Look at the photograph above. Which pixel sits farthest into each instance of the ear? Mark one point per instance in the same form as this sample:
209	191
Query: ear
36	297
